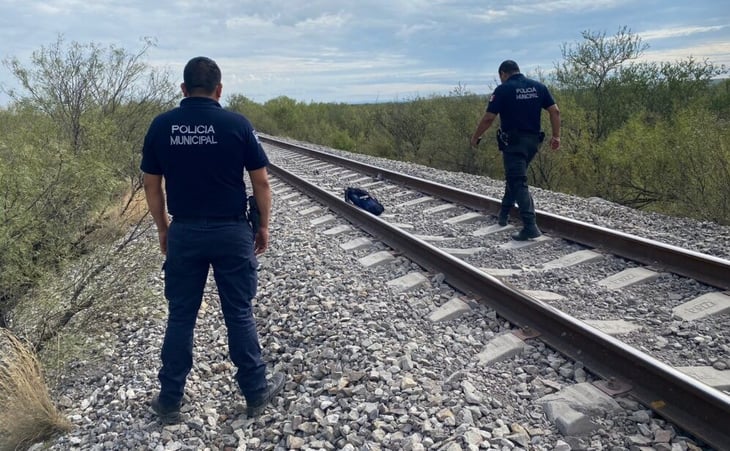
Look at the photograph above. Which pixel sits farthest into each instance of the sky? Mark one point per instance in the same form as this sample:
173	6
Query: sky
360	51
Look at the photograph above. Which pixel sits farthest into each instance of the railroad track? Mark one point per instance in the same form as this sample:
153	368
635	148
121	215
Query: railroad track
459	240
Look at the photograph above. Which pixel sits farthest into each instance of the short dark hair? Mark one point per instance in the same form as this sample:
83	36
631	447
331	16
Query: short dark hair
509	67
201	74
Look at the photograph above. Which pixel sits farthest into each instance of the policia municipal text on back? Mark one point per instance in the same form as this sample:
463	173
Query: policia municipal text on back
201	151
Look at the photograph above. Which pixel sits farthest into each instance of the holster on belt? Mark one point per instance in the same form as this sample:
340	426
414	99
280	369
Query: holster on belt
502	139
253	215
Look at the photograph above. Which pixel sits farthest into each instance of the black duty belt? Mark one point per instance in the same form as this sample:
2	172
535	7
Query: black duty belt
522	132
517	133
207	219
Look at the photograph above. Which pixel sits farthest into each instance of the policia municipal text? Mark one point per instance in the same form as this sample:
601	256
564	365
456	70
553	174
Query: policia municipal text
518	101
201	151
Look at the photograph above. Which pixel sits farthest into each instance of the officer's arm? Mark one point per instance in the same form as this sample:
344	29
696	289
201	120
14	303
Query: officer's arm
483	126
262	193
554	113
156	203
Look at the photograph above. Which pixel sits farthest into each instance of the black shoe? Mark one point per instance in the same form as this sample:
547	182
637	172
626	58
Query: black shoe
502	219
256	407
527	233
167	414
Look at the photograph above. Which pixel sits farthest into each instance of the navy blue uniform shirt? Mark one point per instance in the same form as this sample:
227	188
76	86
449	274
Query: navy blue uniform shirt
519	102
202	150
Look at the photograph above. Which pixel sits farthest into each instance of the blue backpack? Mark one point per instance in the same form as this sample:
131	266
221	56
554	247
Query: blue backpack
364	200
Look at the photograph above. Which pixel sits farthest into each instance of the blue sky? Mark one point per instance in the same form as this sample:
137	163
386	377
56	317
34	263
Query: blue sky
361	51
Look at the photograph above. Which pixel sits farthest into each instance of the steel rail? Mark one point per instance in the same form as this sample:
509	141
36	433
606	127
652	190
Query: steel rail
705	268
694	406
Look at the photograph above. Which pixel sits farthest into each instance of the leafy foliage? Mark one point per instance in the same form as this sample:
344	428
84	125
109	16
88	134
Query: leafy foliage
69	154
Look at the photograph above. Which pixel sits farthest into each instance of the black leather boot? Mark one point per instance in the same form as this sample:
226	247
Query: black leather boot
255	407
529	232
521	193
503	218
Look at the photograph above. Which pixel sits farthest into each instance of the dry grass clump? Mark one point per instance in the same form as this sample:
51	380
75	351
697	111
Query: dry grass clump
27	414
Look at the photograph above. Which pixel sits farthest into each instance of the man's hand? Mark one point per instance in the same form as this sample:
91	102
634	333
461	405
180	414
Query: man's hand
555	143
554	113
482	127
261	243
162	235
156	203
262	193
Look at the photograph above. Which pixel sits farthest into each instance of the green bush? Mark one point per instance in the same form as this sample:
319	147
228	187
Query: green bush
70	157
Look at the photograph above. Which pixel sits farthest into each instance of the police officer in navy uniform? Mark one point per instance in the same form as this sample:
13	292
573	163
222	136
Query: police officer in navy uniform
519	101
201	151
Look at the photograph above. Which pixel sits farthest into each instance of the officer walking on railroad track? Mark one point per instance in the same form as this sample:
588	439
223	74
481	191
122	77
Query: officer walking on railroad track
201	151
519	101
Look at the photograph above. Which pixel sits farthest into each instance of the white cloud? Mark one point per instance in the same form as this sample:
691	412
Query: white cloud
517	11
436	73
716	52
406	30
572	6
665	33
53	7
491	15
325	22
533	7
47	9
75	7
248	22
285	66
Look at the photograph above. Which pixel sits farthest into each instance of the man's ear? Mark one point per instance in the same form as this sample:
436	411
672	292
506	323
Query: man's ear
218	91
184	89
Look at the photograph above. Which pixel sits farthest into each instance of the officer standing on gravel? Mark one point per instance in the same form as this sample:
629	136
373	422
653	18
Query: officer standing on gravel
201	151
519	101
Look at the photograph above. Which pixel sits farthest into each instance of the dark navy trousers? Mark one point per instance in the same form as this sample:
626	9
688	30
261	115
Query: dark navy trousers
516	157
193	246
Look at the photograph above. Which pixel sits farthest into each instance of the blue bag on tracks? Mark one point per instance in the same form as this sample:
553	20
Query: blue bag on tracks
364	200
